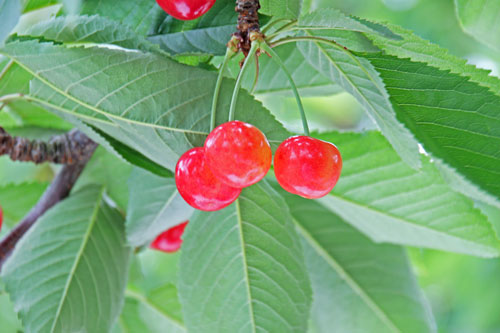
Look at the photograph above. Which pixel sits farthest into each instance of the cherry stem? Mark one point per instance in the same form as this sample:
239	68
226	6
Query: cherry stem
222	69
234	99
278	60
282	29
287	40
272	23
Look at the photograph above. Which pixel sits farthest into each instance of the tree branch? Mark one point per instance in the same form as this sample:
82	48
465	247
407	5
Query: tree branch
62	149
58	190
248	22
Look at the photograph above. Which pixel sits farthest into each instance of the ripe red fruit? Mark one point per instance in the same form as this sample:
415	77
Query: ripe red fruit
186	9
198	185
170	240
307	167
238	154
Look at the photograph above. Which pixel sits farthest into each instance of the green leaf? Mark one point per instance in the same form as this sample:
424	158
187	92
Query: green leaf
20	172
137	14
89	29
281	8
8	318
479	19
359	286
17	200
137	98
333	19
155	206
418	49
207	35
242	268
29	5
70	268
390	202
456	120
141	314
358	77
108	170
10	11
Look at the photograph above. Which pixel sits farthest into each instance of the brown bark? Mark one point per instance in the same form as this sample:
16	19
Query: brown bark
248	22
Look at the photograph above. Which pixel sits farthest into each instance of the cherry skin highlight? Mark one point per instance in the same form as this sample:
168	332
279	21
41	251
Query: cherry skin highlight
186	9
238	154
170	240
307	166
198	185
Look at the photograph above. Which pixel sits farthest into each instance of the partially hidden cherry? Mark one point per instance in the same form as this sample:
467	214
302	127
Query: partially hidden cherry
307	166
170	240
198	185
238	153
186	9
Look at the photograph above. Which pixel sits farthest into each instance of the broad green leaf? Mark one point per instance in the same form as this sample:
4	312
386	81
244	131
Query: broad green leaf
17	200
281	8
333	19
108	170
137	98
272	80
358	77
456	120
418	49
359	286
479	18
29	5
8	318
10	11
70	268
137	14
242	268
390	202
140	314
155	206
207	35
89	29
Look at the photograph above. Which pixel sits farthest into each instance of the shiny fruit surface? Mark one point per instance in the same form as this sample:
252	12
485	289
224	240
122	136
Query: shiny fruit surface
186	9
170	240
307	166
198	185
238	153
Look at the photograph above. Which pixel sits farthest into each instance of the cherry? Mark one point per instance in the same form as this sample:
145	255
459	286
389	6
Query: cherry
198	185
238	154
307	167
186	9
169	240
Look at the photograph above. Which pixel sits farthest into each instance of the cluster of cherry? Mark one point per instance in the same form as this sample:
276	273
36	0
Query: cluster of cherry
237	155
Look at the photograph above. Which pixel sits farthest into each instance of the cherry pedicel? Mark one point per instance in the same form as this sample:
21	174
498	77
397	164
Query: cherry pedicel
238	154
198	185
307	167
170	240
186	9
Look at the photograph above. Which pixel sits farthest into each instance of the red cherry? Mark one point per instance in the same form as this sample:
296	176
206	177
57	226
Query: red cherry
307	167
198	185
170	240
238	154
186	9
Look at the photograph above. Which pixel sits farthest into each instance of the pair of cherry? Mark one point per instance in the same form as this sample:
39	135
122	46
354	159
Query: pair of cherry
186	9
237	155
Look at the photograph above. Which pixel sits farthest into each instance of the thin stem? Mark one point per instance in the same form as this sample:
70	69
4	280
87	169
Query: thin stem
272	24
287	40
257	70
253	50
292	83
284	28
6	68
222	69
